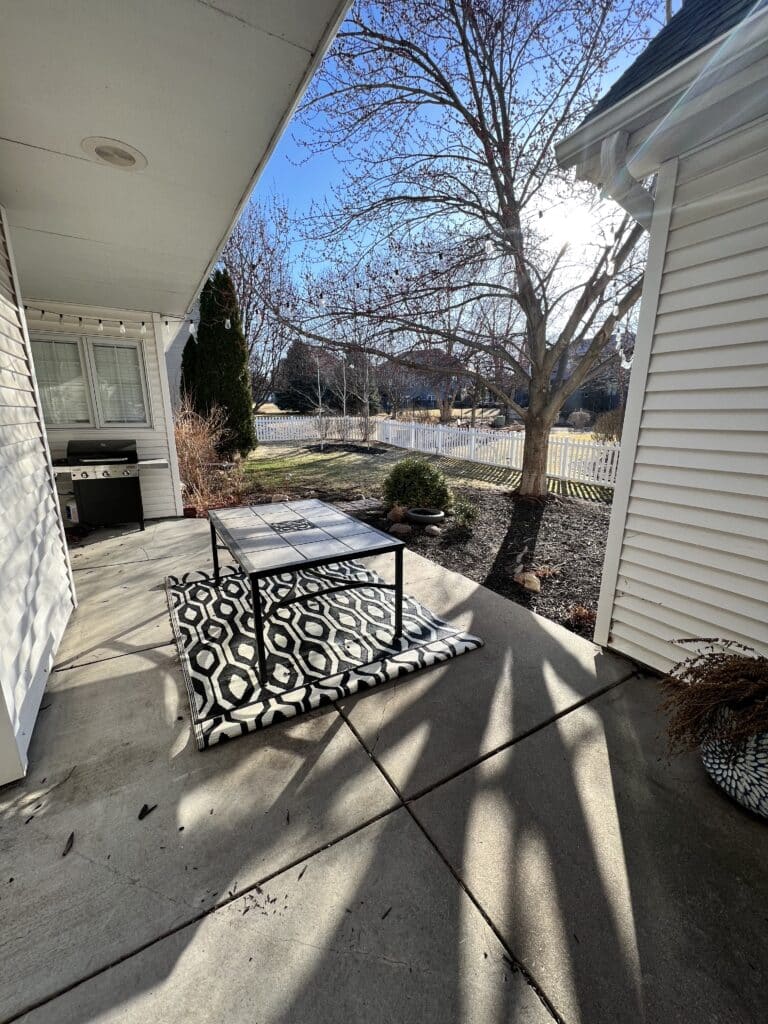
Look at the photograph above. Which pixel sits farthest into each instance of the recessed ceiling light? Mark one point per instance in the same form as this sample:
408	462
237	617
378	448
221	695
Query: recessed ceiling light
115	153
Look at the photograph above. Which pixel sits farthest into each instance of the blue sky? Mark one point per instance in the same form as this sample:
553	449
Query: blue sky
301	178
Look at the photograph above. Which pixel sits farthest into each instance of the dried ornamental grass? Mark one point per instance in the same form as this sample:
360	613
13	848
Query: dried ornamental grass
720	693
198	441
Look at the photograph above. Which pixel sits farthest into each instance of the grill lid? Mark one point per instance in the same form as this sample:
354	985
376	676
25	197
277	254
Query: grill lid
81	453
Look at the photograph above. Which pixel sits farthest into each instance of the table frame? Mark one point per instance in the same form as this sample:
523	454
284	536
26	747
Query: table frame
260	620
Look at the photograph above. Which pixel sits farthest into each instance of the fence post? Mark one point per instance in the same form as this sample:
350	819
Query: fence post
565	464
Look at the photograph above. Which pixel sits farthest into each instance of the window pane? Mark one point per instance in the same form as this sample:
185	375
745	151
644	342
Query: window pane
61	380
118	379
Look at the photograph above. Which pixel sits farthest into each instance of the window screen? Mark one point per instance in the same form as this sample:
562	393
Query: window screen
61	381
119	383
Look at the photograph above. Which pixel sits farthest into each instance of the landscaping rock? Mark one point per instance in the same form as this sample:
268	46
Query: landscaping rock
433	531
529	581
396	514
401	529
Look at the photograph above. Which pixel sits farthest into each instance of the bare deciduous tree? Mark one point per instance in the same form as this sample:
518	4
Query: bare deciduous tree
260	268
446	112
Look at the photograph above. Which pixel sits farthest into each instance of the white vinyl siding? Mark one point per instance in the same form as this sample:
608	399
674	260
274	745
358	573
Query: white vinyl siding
36	597
159	491
693	551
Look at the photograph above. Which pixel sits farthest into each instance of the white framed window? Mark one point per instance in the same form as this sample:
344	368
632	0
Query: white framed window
62	382
118	375
91	382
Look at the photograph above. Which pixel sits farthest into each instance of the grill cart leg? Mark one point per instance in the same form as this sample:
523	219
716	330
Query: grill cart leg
141	508
215	553
258	628
398	593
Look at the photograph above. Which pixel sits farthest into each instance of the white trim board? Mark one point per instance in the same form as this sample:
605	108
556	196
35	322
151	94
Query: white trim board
173	459
662	213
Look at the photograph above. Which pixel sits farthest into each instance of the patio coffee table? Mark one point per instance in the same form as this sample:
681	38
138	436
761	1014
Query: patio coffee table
267	540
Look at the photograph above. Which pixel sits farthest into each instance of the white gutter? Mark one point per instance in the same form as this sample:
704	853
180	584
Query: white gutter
654	99
619	184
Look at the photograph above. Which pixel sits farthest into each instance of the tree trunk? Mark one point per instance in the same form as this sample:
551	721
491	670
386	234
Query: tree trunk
533	482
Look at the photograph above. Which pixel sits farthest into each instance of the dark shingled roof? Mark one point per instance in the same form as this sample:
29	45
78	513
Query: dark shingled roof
697	23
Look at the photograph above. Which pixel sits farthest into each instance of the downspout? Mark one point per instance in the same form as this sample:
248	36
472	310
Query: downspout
617	183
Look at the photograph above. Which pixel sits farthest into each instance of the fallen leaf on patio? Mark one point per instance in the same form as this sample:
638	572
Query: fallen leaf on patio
145	810
69	844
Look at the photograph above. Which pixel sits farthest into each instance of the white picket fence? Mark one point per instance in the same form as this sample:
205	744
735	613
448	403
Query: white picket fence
578	461
313	428
586	462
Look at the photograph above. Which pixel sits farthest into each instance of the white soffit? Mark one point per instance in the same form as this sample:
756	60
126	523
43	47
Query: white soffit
201	89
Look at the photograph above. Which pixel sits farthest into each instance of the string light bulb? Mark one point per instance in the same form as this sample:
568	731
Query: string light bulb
122	327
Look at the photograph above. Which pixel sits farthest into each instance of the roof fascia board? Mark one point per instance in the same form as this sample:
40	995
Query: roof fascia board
650	101
329	35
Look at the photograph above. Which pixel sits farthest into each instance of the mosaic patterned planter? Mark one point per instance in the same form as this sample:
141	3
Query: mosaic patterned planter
741	770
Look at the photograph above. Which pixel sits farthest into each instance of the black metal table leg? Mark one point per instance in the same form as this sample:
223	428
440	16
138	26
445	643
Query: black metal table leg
258	628
215	553
398	593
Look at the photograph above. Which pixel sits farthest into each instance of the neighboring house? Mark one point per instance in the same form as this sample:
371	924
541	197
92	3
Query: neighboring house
687	549
608	388
130	138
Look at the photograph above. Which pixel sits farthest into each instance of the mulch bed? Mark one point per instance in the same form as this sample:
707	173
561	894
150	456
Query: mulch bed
562	534
350	447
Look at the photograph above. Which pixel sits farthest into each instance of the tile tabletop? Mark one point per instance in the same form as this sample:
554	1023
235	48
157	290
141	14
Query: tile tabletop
294	533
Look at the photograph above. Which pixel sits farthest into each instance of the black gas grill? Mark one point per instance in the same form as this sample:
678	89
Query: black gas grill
105	478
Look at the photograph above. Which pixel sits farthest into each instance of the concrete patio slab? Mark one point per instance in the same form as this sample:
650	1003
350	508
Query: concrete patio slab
122	609
114	736
162	538
632	890
425	728
373	929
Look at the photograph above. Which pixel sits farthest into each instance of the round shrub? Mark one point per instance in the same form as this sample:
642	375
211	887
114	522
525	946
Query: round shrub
415	483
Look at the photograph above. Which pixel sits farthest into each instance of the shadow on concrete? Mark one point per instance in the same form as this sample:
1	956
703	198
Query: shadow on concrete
620	889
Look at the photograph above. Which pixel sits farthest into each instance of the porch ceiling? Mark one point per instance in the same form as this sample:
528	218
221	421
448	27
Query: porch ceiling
202	89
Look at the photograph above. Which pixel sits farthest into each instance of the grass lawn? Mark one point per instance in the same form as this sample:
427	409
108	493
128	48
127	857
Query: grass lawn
349	471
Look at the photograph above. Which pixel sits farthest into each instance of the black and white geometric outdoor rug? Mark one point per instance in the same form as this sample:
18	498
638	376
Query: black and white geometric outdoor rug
318	650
